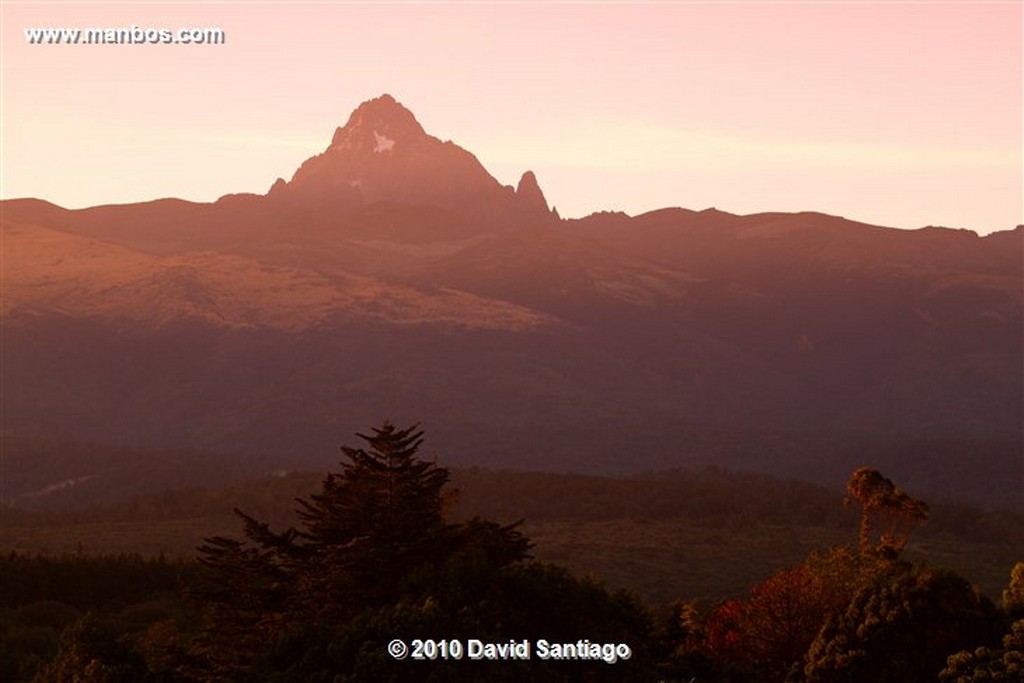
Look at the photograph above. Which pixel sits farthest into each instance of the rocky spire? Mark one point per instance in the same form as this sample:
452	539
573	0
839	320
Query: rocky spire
530	201
529	194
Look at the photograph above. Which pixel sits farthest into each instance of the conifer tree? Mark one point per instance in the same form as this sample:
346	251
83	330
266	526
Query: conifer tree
381	515
373	536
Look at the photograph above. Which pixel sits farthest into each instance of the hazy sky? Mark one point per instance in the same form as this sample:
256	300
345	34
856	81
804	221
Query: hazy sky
901	114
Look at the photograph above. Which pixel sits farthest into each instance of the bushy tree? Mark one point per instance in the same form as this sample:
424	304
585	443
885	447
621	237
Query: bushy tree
766	636
92	650
901	628
984	664
989	664
1013	595
84	618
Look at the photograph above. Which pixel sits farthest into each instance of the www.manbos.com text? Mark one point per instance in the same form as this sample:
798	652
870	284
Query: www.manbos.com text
124	35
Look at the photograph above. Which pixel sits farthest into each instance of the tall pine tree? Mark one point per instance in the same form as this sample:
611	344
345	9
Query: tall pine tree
375	535
373	522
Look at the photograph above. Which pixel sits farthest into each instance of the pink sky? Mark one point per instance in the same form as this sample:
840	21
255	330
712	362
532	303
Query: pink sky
901	114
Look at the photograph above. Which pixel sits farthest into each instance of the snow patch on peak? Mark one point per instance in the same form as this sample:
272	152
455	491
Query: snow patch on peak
384	143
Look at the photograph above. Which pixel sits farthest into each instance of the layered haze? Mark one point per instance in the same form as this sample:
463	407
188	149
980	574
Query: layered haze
391	274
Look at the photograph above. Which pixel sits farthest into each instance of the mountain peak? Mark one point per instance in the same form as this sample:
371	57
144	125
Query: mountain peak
377	125
382	154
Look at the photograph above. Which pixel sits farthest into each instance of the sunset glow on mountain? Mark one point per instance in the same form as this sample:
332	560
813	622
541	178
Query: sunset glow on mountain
903	114
662	341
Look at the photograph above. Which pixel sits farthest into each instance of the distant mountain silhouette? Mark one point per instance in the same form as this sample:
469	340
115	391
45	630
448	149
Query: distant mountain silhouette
383	156
394	276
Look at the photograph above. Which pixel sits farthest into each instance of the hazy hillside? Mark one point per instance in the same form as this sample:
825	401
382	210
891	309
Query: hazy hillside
392	276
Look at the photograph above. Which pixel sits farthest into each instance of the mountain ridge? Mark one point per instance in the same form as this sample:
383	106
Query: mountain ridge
283	321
